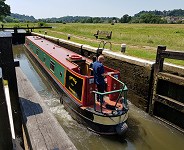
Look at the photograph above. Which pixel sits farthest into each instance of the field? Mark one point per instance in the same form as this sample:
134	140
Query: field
141	39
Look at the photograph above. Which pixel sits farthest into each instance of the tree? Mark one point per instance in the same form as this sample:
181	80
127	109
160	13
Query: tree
4	10
9	19
149	18
125	19
89	20
176	12
96	20
115	20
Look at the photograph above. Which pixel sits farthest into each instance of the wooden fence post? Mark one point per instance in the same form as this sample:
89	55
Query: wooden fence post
159	59
8	73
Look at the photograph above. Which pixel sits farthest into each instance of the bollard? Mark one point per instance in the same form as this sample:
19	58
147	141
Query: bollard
68	36
123	48
82	52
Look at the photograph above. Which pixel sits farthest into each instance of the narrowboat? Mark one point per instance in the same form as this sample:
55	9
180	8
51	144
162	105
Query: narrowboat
72	73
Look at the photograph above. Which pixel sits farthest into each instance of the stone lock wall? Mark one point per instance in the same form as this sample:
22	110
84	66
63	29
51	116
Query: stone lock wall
135	74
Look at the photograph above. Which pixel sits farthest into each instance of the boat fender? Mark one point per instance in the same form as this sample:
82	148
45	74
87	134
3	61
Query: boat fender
121	128
76	57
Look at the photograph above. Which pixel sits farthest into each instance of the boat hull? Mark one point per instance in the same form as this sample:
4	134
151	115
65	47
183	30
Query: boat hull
88	118
101	124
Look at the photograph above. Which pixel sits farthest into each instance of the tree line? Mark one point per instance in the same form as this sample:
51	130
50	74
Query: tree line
151	17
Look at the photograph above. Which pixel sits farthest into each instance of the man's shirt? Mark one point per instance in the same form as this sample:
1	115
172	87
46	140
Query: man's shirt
98	70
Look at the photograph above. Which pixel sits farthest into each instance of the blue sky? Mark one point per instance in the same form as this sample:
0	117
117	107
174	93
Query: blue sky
93	8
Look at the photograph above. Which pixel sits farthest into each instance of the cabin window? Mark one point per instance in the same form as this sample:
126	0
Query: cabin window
37	50
44	58
61	74
52	65
27	42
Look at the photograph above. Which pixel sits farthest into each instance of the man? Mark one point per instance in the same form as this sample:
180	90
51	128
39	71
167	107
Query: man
99	74
91	65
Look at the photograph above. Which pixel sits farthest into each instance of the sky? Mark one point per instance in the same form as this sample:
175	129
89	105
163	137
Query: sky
94	8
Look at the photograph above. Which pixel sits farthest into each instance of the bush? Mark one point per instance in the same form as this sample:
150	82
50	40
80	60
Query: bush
41	24
16	26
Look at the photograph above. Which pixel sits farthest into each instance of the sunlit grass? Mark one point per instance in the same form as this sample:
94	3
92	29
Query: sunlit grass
134	34
141	39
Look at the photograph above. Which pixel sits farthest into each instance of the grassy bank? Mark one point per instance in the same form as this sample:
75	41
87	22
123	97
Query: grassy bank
141	39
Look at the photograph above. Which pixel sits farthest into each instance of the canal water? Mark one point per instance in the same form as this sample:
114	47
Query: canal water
145	132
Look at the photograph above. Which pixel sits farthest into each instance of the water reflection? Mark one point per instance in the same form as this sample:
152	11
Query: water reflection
144	133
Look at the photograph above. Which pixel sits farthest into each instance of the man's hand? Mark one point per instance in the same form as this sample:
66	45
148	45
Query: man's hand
107	74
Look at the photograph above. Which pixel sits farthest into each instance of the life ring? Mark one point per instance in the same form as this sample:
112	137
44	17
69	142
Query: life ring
76	57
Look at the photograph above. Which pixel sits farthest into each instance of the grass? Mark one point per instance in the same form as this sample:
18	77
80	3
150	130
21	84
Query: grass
133	34
141	39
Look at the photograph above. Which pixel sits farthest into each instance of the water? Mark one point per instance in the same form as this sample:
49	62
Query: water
145	132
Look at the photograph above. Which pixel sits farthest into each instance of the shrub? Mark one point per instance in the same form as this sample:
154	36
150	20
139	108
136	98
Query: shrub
41	24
